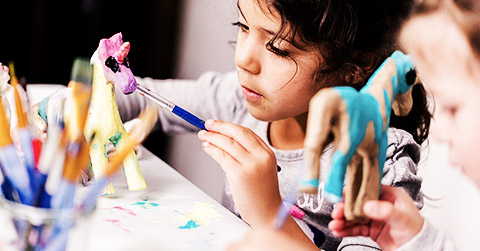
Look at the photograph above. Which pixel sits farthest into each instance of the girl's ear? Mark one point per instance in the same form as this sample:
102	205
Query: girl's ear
366	63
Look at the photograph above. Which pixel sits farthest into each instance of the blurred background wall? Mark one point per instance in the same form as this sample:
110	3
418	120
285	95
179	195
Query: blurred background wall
205	43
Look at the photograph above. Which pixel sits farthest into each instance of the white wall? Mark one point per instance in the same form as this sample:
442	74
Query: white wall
204	35
205	31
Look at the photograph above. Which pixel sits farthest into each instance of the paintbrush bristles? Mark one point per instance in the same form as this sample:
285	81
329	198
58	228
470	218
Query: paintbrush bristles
21	116
82	71
5	138
77	151
75	162
148	118
78	109
13	77
126	144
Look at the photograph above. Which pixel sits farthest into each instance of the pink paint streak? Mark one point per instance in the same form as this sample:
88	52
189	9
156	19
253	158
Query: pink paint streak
297	212
123	209
126	210
118	224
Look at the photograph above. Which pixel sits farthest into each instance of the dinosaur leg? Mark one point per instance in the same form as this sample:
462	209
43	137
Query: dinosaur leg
133	173
131	168
369	185
98	156
364	175
353	183
335	180
323	110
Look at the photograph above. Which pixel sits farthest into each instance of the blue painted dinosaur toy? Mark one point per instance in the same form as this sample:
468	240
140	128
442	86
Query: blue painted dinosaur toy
358	121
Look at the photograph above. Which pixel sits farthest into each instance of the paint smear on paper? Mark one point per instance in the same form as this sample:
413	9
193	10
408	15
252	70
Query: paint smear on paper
130	212
190	224
119	224
201	214
145	205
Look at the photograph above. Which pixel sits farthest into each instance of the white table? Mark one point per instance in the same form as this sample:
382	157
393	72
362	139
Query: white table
171	214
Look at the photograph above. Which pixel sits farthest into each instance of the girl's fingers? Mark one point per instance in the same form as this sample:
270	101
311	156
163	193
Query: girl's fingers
339	229
228	145
378	210
223	158
337	212
336	225
242	135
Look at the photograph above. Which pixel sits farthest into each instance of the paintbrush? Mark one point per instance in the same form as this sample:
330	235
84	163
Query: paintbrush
14	172
77	149
175	109
23	131
50	165
125	146
288	202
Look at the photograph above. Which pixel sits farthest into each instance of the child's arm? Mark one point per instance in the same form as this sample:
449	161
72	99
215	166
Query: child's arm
209	96
251	170
269	239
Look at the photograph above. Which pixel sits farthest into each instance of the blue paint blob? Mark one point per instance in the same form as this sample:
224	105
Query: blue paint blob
190	224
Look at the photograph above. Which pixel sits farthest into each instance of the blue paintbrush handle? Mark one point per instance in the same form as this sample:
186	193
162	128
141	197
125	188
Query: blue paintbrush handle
190	118
16	173
164	103
94	192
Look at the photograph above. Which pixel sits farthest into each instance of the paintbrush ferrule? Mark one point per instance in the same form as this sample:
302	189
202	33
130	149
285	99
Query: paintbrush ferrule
175	109
157	99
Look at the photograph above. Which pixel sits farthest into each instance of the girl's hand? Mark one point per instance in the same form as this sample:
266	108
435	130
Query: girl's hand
394	220
250	167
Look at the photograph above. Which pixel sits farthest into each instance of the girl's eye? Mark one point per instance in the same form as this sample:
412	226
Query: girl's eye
450	110
242	27
277	51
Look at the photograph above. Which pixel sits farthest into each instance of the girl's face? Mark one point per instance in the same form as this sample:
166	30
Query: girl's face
448	67
274	86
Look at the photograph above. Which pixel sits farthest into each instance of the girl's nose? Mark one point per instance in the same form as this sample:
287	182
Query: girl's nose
247	55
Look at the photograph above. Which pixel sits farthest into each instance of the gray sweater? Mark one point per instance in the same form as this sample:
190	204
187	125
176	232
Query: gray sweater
218	96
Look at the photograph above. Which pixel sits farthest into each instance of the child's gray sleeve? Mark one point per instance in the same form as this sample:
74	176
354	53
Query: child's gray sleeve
429	238
212	95
401	164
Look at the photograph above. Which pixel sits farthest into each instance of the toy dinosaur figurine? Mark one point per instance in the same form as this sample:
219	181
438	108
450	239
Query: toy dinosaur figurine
358	121
110	70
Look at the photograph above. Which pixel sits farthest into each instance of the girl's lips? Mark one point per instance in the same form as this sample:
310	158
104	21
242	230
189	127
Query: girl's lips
250	95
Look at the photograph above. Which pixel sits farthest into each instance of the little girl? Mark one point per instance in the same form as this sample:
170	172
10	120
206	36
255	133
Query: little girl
286	51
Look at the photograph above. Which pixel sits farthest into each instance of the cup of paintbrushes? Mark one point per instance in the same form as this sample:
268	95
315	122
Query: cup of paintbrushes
34	228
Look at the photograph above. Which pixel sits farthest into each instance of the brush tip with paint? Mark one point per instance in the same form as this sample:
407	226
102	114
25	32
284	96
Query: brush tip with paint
82	71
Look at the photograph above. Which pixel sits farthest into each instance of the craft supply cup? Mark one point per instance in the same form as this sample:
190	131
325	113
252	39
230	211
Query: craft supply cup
31	228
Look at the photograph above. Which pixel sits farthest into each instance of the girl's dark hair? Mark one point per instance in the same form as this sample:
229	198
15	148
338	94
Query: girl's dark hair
354	37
